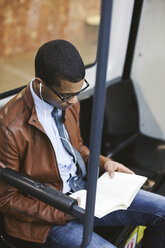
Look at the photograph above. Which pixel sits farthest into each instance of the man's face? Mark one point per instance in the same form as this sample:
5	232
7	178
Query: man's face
65	90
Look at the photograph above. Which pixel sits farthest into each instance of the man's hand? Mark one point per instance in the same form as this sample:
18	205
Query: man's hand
112	166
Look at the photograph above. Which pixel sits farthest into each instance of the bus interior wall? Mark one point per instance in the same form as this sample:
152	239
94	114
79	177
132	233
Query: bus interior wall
123	142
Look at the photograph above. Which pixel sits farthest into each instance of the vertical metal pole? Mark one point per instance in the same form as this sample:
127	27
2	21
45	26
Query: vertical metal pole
137	10
97	118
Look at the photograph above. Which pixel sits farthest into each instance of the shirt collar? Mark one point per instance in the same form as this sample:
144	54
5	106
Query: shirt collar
40	104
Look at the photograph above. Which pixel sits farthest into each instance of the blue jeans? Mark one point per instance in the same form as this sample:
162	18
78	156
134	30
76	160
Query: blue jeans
147	209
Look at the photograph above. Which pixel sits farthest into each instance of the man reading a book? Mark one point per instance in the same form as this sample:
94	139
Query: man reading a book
40	137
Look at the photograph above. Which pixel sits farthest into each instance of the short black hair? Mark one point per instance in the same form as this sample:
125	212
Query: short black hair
59	59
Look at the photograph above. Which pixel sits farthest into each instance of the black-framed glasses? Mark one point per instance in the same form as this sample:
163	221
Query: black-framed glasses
67	96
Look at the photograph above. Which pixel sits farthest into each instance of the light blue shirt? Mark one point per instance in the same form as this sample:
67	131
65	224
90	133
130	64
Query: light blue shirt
66	166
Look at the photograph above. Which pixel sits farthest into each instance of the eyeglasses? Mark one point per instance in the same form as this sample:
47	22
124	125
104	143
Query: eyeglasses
67	96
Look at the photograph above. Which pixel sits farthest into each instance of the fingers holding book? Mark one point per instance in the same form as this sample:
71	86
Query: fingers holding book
112	166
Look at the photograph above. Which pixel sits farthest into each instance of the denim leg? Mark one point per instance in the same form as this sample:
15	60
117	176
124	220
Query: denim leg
147	209
70	236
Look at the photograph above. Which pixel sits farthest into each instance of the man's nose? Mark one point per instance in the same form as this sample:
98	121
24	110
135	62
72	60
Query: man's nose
73	100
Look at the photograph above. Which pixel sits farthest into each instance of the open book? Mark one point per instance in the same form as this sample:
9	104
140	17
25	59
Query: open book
113	193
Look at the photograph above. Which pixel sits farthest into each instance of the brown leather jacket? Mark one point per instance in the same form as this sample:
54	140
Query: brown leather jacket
25	147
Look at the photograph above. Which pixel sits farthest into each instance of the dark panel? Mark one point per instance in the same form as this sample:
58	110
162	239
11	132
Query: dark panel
121	111
145	154
85	119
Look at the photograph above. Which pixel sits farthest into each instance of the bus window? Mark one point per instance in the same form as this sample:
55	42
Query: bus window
26	24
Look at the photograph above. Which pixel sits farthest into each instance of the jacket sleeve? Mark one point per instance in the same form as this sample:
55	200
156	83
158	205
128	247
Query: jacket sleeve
12	201
84	151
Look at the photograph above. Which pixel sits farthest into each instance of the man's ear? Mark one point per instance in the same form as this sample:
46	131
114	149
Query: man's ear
38	80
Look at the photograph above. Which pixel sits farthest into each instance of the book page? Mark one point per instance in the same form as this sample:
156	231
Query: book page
116	193
113	193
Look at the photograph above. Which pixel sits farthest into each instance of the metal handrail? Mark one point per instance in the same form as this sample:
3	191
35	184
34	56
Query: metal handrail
43	193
